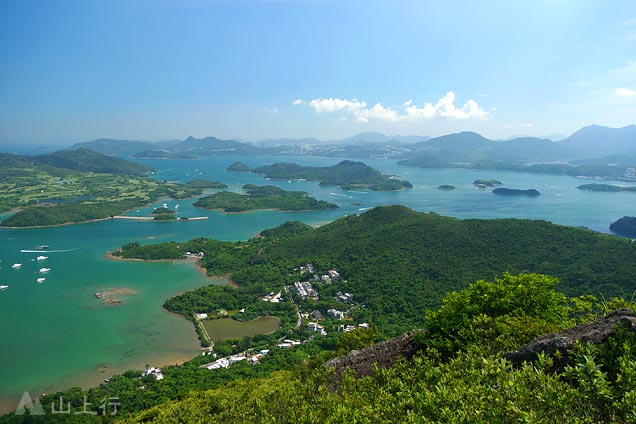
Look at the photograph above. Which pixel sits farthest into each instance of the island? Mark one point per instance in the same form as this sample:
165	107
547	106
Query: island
626	226
446	187
73	186
239	167
515	192
262	197
164	214
486	183
348	175
204	184
605	187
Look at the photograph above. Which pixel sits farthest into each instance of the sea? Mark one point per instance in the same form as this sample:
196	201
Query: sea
57	334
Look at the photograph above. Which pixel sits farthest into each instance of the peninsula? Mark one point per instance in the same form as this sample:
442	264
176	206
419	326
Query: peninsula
73	186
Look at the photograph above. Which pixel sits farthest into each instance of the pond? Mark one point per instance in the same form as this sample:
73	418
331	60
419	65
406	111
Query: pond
227	328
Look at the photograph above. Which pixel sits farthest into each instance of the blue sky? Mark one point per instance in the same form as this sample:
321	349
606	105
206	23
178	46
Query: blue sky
75	70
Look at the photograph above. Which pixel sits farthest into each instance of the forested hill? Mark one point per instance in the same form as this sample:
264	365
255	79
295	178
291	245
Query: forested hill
398	262
90	161
346	174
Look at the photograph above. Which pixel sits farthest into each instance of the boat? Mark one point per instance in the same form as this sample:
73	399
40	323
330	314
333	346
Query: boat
42	247
99	295
16	266
41	258
41	280
43	270
4	287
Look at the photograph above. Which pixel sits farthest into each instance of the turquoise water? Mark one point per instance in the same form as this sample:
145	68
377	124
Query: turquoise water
57	334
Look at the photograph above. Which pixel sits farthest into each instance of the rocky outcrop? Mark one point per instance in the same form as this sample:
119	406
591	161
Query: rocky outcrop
384	354
563	341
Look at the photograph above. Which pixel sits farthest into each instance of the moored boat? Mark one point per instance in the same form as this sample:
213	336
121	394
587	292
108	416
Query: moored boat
43	270
2	287
41	258
16	266
41	280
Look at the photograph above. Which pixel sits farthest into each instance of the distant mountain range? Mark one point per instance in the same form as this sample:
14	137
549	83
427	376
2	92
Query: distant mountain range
592	143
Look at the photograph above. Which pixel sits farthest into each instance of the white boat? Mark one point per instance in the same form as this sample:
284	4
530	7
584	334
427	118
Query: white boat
16	266
43	270
4	287
41	280
41	258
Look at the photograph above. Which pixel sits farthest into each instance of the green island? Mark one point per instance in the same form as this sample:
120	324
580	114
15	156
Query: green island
72	186
204	184
446	187
348	175
605	187
486	183
262	197
164	214
625	226
375	276
501	191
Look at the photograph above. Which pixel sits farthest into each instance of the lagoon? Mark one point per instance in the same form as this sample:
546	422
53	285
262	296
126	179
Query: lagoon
57	334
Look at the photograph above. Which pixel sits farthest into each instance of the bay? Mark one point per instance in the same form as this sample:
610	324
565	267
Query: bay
56	334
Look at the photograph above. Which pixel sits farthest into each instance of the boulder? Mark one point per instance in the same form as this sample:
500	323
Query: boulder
596	332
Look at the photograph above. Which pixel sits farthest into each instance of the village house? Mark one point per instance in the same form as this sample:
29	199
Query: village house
334	313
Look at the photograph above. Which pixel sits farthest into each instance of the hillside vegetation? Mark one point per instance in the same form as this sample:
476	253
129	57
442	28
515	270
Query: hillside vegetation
262	197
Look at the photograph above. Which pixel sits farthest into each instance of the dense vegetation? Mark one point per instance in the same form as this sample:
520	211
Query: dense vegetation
398	262
625	226
501	191
262	197
349	175
605	187
239	167
206	184
446	187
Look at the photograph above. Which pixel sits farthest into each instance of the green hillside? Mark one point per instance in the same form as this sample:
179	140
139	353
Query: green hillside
262	197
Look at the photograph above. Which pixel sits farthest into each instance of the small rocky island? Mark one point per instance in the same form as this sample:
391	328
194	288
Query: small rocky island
515	192
446	187
626	226
486	183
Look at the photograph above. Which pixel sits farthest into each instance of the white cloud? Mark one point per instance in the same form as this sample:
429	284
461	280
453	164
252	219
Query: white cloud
625	92
443	108
335	105
297	102
527	125
507	126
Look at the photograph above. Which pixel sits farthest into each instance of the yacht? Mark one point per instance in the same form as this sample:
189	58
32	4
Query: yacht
43	270
16	266
4	287
41	258
41	280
